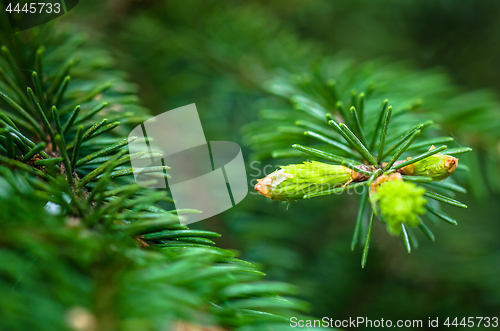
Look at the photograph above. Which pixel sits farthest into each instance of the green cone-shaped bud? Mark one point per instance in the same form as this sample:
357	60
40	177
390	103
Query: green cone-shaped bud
294	181
437	166
399	202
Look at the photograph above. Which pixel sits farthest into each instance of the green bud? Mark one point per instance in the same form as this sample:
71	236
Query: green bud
399	202
437	166
294	181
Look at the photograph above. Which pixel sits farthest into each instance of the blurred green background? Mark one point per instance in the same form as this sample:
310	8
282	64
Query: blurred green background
218	54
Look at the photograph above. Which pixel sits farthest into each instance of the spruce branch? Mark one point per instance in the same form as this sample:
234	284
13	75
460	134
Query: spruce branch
69	201
388	180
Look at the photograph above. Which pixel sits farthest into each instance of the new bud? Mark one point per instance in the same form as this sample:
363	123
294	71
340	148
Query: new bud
399	202
437	166
294	181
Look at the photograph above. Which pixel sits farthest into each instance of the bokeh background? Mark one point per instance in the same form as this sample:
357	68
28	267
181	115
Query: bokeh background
219	54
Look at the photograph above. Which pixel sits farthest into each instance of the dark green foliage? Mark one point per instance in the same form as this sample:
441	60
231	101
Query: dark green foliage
81	242
219	54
